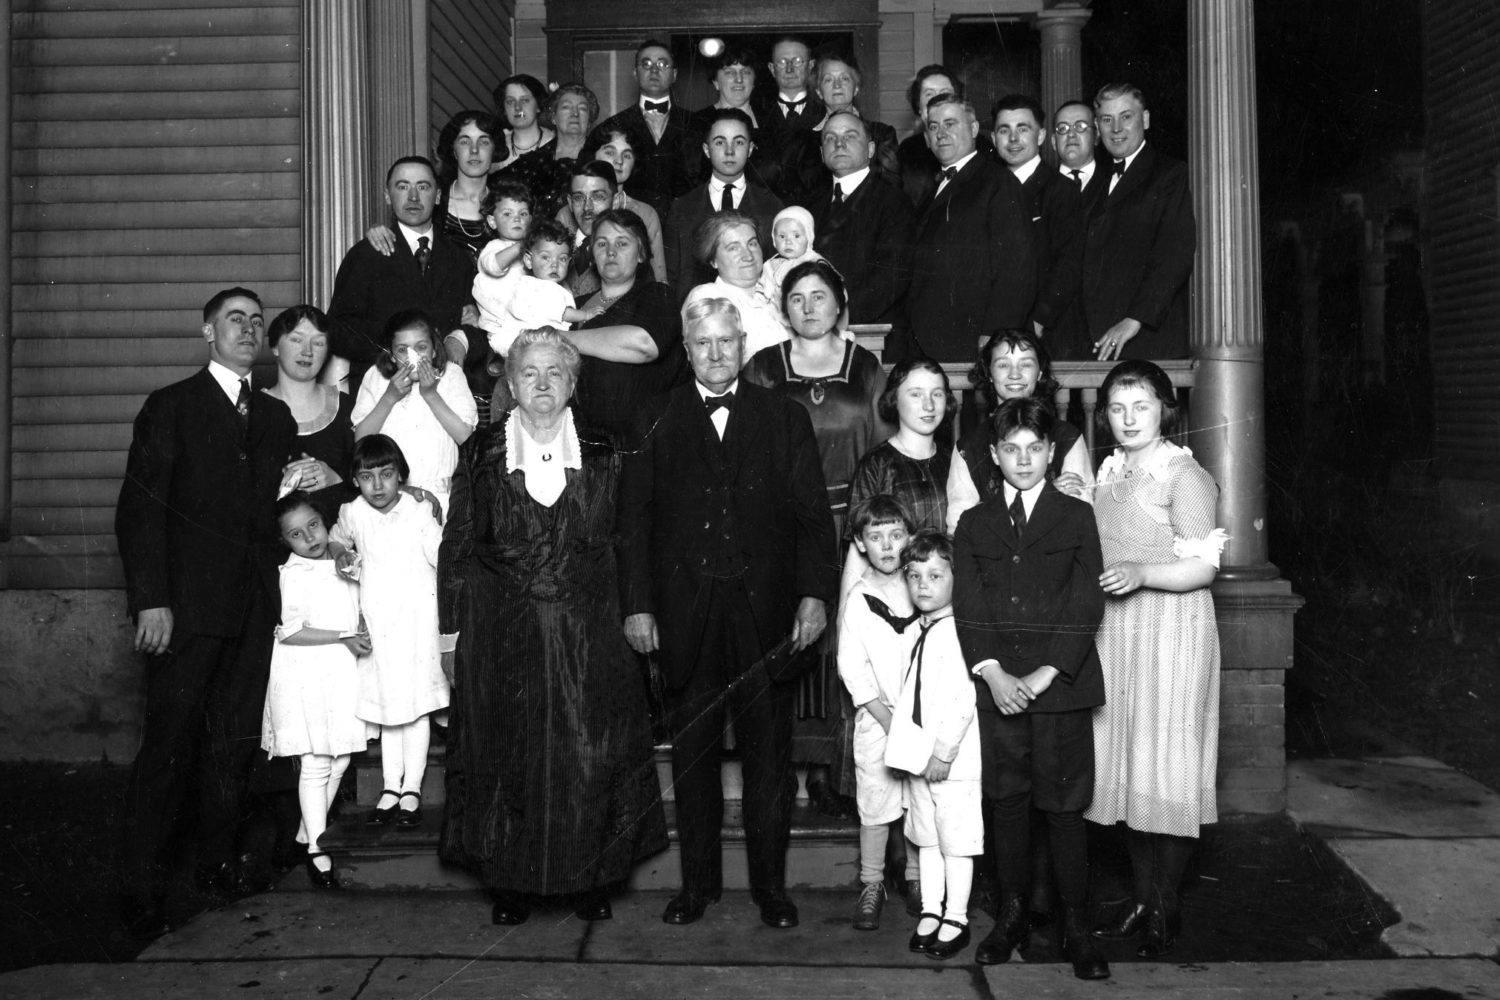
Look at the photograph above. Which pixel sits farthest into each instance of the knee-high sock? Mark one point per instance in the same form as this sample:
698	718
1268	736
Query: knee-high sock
930	863
872	841
1010	829
1172	855
1068	839
335	777
958	873
414	741
1142	865
312	795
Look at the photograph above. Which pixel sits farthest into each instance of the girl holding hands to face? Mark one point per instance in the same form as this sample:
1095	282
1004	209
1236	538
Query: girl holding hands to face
430	423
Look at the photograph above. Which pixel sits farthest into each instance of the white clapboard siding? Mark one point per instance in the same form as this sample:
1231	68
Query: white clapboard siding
469	46
156	158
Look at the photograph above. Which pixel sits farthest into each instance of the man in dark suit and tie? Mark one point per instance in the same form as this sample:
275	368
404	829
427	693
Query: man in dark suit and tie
728	562
974	262
787	115
1073	134
920	170
864	226
728	147
425	271
1139	240
666	165
1051	200
197	535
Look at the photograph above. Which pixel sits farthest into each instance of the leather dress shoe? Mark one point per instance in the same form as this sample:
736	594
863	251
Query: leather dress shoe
941	950
510	909
776	909
1012	929
594	906
1079	947
687	907
919	941
1123	927
1161	933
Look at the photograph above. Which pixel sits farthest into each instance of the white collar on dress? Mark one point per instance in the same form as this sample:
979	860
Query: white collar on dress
1156	464
523	452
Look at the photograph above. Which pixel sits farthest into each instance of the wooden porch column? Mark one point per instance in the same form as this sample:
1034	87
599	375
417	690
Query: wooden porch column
1254	606
1062	54
335	141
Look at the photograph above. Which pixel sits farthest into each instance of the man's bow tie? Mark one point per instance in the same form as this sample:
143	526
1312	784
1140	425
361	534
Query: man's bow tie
792	107
712	403
949	173
895	621
660	107
1117	168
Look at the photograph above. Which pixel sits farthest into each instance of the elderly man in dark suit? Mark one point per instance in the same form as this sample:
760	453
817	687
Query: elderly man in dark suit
786	115
1052	201
666	165
974	262
1140	239
1072	134
425	271
727	564
728	148
864	226
197	536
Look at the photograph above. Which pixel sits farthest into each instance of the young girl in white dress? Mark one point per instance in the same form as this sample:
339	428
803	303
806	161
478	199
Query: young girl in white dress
428	424
311	696
391	544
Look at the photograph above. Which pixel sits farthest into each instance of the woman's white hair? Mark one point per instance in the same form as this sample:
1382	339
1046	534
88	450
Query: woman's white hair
550	338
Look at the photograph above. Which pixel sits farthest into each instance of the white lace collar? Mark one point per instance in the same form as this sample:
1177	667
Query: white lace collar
524	452
1156	465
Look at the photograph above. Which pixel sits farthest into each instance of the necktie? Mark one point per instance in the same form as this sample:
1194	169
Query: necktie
789	108
1077	177
1018	514
838	196
895	621
242	402
916	659
838	209
658	107
424	253
713	403
726	203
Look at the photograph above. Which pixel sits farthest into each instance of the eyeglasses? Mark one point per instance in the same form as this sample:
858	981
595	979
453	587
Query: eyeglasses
655	64
1077	128
797	63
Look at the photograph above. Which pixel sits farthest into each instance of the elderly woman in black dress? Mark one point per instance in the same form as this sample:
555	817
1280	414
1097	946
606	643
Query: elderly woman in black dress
551	779
545	170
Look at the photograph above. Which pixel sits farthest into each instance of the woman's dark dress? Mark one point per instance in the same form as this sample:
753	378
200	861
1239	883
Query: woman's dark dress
921	484
551	777
329	437
544	175
975	448
845	424
611	393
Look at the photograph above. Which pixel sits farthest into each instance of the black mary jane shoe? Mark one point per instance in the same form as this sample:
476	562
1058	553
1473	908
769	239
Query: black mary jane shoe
408	818
1127	925
384	817
510	909
317	876
943	950
919	941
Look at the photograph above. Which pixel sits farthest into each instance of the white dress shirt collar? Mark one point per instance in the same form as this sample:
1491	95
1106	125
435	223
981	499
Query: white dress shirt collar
1085	172
1028	498
412	235
850	183
228	380
957	166
716	190
1024	171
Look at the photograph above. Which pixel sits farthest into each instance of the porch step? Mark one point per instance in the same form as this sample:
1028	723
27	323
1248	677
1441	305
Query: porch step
368	783
824	853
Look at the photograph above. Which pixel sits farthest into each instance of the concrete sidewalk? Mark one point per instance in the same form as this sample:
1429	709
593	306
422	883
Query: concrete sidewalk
1421	835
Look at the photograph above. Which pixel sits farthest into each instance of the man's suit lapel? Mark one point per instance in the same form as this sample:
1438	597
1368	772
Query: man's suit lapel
1045	516
745	421
699	430
1135	177
217	404
938	206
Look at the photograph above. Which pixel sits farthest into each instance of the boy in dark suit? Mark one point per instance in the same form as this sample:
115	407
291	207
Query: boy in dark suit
1028	603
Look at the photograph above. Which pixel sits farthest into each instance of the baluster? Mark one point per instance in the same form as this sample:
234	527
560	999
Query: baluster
1090	403
1064	401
